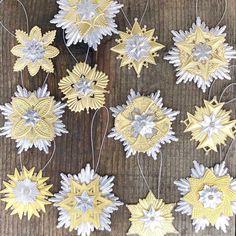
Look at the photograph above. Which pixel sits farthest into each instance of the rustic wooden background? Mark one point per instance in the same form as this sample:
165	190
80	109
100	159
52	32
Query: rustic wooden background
73	149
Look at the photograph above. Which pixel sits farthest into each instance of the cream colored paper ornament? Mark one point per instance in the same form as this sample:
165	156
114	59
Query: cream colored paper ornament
143	124
33	119
26	193
85	202
87	20
210	125
201	55
151	216
137	47
34	51
208	196
84	88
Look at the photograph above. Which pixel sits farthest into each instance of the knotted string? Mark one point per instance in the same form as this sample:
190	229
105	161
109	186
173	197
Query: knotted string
142	17
222	17
159	177
103	139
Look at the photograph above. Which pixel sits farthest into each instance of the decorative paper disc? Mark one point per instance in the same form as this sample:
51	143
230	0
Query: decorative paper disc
210	125
26	193
34	51
84	88
137	47
201	55
209	196
85	202
87	20
143	124
151	216
33	119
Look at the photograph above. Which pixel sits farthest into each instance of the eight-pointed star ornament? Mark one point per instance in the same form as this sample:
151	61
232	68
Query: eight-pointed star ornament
26	193
34	51
84	88
33	119
86	202
201	55
210	125
208	196
143	124
137	47
151	216
87	20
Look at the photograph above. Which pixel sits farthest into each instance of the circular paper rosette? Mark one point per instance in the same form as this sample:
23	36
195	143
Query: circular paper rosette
201	55
143	124
33	119
85	202
210	125
208	196
26	193
87	20
84	88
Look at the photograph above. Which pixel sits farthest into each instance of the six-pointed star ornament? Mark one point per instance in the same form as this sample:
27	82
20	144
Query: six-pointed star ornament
34	51
33	119
26	193
201	55
209	196
210	125
84	88
143	124
87	20
137	47
86	202
151	216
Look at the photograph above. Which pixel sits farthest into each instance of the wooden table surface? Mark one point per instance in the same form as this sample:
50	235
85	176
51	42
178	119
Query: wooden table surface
73	149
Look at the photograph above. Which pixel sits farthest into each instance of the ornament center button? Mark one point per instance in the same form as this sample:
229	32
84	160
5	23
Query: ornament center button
87	10
202	52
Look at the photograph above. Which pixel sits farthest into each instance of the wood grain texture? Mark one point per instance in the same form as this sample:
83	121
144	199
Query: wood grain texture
73	149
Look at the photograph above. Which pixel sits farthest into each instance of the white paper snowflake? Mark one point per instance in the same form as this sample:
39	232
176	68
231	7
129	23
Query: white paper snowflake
201	55
87	20
33	119
85	202
208	196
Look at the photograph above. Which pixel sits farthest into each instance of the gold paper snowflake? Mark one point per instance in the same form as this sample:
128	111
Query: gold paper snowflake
84	88
201	55
26	193
143	124
33	118
210	125
34	51
151	217
84	203
209	196
137	47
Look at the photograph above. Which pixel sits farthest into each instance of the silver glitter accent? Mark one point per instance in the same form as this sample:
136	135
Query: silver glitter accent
83	86
202	52
84	202
31	117
87	9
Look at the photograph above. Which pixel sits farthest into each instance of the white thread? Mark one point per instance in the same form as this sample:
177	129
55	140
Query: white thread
103	139
86	57
159	176
45	80
222	17
50	159
64	40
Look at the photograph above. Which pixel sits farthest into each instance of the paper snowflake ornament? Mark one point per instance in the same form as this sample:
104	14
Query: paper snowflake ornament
201	55
87	20
33	119
151	216
137	47
26	193
85	202
208	196
143	124
34	51
210	126
84	88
